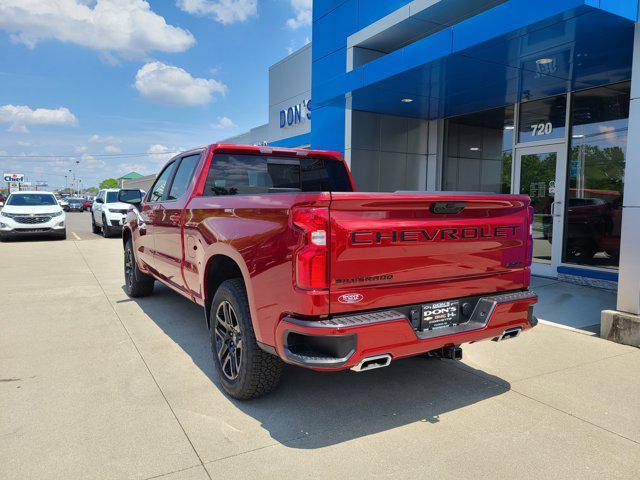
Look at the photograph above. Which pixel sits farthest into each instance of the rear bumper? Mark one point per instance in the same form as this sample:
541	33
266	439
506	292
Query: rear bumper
343	342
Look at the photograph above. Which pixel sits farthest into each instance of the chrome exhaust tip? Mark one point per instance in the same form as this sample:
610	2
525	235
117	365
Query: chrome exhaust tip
371	363
508	334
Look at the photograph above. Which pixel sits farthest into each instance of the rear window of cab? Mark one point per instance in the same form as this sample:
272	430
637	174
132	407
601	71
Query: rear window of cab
232	174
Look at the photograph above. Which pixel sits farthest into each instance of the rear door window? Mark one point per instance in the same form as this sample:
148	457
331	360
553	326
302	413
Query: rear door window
258	174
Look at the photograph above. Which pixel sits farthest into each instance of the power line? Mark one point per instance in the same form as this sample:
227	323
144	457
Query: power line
100	155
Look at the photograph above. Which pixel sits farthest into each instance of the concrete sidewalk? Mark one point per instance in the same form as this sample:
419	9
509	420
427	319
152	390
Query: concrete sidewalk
96	385
572	306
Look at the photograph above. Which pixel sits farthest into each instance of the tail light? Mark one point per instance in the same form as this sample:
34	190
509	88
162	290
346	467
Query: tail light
311	258
529	258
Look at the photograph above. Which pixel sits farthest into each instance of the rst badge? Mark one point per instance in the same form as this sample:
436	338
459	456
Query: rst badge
351	298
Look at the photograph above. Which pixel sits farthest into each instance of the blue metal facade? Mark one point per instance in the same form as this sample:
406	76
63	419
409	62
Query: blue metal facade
484	61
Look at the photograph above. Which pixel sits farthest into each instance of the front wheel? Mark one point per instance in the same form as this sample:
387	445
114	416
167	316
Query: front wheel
244	369
106	231
94	227
137	284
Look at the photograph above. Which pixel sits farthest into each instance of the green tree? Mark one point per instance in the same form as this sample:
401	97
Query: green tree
91	190
109	183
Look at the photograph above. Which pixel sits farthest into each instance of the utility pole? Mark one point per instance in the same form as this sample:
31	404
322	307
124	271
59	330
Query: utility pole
78	184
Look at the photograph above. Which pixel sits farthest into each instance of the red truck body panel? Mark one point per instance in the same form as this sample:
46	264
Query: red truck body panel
423	256
384	251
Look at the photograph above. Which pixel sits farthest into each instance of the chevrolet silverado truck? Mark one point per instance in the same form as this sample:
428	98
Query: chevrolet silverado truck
292	265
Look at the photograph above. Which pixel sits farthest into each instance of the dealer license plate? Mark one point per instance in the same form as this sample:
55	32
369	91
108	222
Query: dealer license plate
440	314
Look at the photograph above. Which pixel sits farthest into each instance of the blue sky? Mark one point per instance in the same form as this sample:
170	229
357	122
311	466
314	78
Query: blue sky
97	81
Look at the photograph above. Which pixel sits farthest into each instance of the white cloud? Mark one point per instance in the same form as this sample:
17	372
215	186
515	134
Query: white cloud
81	149
112	149
173	85
223	11
95	138
19	116
302	10
136	167
160	152
127	28
89	161
224	123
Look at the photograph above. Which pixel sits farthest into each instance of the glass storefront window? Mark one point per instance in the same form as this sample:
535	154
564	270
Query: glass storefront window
543	119
595	178
479	150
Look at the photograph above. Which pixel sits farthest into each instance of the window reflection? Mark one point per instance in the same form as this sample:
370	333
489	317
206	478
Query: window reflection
596	176
479	151
543	119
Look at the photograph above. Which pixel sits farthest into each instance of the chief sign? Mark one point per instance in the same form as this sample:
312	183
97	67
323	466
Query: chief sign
14	177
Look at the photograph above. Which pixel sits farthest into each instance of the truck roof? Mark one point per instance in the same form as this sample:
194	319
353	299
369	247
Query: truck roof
268	149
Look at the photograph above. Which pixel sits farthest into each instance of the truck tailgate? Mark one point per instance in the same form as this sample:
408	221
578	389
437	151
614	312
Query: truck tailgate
397	249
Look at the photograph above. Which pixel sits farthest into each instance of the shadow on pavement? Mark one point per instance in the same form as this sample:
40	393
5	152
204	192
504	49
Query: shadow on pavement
312	409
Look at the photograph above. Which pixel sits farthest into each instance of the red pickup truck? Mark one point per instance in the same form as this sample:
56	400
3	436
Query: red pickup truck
292	265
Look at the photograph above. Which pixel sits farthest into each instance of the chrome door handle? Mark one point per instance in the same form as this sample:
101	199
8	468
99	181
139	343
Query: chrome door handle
559	208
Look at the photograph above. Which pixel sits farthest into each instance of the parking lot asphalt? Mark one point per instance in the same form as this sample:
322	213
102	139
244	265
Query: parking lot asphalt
96	385
79	226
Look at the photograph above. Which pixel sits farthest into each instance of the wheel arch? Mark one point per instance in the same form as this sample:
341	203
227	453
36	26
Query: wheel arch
220	267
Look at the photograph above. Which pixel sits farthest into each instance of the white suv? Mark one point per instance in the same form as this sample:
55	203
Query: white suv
107	214
32	213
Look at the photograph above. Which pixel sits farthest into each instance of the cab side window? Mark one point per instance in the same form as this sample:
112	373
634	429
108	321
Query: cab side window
183	176
159	187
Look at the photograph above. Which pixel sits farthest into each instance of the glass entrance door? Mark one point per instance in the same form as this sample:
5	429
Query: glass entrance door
540	172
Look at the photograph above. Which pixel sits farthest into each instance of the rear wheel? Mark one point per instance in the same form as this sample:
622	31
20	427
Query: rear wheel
244	369
137	284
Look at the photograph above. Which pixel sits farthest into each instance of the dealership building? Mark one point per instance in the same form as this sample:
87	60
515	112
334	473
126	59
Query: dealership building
514	96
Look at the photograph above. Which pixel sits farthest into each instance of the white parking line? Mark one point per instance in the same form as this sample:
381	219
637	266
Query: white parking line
75	235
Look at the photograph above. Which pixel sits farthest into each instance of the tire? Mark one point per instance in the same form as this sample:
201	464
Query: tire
258	372
136	283
63	235
106	231
94	227
581	250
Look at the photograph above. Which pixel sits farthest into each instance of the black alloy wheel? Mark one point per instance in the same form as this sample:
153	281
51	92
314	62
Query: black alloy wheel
228	340
128	268
137	283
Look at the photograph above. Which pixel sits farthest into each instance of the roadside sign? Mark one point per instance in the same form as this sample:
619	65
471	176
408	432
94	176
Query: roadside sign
14	187
14	177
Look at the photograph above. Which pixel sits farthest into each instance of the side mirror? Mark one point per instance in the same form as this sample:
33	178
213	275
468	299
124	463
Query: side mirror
99	200
131	196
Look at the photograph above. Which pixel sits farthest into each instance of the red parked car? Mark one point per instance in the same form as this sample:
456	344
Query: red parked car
292	265
86	205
